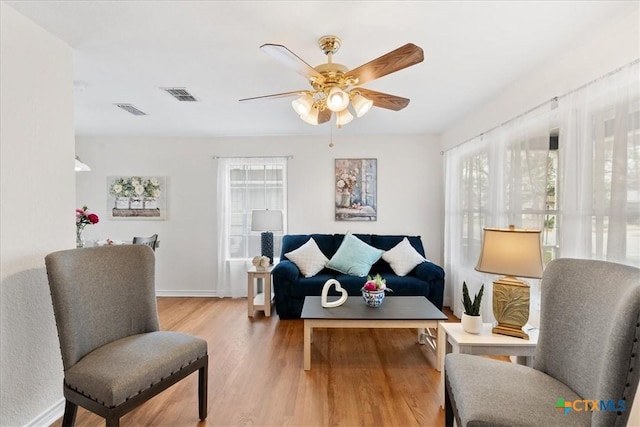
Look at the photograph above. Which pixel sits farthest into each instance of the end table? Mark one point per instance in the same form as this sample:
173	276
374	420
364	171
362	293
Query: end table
261	298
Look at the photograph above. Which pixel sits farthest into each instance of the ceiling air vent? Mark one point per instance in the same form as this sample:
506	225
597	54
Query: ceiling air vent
131	109
180	93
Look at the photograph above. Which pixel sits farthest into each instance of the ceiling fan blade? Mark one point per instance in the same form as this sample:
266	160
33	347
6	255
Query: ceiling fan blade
277	95
384	100
396	60
324	116
290	60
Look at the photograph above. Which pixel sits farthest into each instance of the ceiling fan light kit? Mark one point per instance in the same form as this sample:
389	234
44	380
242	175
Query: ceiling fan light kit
337	100
361	105
303	105
335	87
343	117
311	117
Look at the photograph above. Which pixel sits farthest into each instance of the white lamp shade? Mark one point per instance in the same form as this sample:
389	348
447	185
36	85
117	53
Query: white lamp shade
361	105
337	99
343	117
266	220
511	252
303	105
312	117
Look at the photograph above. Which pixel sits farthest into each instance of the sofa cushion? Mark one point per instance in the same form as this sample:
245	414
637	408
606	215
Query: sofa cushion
308	258
403	257
354	257
386	242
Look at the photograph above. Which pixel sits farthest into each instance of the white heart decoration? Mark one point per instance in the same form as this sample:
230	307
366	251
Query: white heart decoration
325	291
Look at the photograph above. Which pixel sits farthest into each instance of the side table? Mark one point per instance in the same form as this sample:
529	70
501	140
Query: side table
453	339
259	299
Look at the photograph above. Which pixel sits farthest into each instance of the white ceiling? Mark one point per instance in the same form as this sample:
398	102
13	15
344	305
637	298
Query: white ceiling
124	51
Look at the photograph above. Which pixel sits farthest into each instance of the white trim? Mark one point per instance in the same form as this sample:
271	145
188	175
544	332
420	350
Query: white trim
186	293
48	417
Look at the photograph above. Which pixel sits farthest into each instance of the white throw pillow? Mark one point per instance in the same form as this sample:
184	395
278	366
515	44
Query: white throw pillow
403	257
308	258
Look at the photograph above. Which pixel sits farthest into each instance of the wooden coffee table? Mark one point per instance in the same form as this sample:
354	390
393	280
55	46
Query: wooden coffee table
395	312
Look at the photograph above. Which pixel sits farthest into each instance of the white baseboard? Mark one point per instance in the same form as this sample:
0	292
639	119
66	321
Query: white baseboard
185	293
446	302
49	416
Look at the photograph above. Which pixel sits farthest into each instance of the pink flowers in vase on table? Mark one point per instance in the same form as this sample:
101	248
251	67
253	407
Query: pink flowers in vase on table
83	218
373	291
377	283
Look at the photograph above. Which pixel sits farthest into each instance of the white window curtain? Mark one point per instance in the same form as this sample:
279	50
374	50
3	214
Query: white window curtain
500	178
245	184
494	180
600	169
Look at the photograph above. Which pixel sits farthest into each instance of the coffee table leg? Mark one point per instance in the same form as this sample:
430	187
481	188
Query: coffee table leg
441	349
307	345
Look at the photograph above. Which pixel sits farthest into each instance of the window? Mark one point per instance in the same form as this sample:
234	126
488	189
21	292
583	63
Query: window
615	210
550	241
253	183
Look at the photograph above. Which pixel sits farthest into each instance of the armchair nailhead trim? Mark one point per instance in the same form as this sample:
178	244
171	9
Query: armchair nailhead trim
88	396
633	355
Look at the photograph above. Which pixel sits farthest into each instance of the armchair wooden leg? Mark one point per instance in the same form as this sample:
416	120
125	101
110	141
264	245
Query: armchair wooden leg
202	390
112	421
70	411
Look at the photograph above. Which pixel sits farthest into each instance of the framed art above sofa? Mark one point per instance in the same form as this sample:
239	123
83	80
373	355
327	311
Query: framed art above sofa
356	194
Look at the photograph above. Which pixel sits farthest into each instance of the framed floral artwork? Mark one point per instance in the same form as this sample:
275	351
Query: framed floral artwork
136	197
356	196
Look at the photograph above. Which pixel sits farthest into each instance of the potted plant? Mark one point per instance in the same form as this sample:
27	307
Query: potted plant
471	318
373	290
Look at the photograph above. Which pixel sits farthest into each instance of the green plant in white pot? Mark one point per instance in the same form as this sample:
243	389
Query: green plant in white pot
471	318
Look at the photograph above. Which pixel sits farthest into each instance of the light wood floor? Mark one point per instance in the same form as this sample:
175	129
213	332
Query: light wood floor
366	377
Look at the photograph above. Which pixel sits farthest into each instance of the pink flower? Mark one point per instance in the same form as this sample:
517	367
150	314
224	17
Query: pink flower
84	218
370	286
376	283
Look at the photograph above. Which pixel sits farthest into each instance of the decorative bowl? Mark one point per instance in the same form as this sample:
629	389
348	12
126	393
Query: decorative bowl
373	298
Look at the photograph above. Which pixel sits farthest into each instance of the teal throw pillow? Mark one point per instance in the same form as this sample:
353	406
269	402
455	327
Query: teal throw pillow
354	257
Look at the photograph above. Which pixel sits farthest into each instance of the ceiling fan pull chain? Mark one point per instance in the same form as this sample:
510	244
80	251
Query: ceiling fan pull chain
330	136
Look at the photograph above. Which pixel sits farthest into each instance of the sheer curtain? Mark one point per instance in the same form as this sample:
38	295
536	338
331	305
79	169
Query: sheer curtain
600	169
507	176
494	180
244	184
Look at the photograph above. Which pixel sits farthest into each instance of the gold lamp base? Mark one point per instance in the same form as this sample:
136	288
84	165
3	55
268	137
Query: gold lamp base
511	298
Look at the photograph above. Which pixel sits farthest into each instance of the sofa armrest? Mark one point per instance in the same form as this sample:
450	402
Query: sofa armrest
434	275
285	276
428	271
286	271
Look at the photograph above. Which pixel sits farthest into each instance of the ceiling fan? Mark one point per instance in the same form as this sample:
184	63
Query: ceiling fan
334	87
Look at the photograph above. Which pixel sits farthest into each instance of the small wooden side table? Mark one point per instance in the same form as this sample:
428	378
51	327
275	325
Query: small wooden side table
256	299
452	339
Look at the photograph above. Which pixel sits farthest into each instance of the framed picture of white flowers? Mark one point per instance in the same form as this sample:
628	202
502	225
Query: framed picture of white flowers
356	195
139	197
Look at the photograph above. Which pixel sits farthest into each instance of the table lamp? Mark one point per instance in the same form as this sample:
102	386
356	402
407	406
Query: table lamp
266	221
511	252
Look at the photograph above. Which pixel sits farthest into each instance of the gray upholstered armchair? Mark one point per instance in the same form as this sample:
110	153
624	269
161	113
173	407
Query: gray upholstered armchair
113	353
587	362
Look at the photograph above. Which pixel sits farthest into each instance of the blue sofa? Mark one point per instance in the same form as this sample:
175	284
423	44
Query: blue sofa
291	287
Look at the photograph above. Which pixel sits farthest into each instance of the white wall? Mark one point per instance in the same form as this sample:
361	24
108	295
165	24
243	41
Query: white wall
611	46
37	192
409	193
